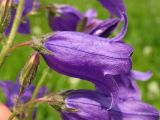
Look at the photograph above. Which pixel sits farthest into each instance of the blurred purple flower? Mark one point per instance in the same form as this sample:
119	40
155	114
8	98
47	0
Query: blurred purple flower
11	90
24	27
36	5
67	18
92	105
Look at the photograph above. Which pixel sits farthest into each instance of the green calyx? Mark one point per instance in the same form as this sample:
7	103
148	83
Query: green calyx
58	102
54	9
38	44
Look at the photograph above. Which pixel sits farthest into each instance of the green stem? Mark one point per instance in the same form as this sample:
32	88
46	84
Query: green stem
12	35
13	115
40	82
27	105
36	91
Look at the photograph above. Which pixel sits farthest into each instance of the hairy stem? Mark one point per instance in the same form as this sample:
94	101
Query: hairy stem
13	115
40	83
12	35
27	43
28	105
36	91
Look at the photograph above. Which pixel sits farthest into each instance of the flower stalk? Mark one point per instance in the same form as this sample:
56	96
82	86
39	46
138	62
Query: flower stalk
12	35
27	43
26	106
36	91
13	115
40	83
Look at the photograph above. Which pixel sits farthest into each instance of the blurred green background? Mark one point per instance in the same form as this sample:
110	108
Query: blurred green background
143	35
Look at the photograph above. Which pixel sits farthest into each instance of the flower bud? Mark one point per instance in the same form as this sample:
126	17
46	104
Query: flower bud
5	14
29	71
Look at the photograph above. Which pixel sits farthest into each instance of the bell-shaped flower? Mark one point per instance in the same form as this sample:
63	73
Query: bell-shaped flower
67	18
92	105
87	57
90	55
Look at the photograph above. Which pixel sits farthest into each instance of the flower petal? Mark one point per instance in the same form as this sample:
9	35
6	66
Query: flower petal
91	13
65	18
86	56
91	105
137	75
116	7
105	28
134	110
10	91
128	87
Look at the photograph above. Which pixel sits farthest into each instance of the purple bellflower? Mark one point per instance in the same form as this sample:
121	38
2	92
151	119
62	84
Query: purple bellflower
12	89
77	60
24	27
87	53
88	57
67	18
92	105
